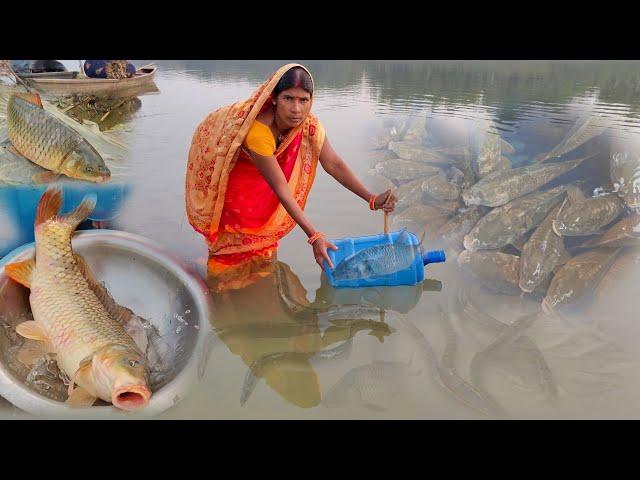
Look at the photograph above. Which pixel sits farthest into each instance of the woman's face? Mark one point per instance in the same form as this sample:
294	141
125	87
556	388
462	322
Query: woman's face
292	107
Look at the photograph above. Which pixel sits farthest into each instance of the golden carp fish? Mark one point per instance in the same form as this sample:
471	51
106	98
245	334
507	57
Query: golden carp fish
90	344
40	137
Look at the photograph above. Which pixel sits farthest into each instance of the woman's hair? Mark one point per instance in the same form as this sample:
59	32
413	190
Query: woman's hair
296	77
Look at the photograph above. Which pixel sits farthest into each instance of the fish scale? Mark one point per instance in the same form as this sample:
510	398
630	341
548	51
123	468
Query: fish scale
27	123
39	136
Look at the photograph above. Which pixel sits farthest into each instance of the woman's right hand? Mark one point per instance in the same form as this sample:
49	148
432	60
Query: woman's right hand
320	247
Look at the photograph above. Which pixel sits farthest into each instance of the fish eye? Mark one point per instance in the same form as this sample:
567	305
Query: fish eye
131	362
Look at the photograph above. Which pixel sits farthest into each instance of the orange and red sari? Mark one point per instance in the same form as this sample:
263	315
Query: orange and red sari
227	199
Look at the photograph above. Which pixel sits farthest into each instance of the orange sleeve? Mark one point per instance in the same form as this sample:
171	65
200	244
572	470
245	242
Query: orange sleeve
260	139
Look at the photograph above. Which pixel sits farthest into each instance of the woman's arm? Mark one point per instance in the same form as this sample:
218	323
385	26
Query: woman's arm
272	173
338	169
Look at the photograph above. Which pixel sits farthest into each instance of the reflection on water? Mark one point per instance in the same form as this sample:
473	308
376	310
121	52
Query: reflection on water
277	333
287	345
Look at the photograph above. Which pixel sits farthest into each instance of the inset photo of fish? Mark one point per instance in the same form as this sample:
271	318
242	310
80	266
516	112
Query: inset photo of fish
69	123
319	239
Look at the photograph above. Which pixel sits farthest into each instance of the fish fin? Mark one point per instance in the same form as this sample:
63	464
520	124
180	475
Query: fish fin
85	363
21	272
79	397
564	258
32	98
403	237
135	329
379	335
31	330
82	211
45	177
49	205
14	150
30	352
506	147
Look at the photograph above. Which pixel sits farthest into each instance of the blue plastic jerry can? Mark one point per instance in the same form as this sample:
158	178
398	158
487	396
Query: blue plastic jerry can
411	275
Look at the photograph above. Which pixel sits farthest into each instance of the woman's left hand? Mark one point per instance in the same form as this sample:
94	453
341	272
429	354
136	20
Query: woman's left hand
386	201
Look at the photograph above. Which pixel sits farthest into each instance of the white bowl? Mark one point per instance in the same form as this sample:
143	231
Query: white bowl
141	276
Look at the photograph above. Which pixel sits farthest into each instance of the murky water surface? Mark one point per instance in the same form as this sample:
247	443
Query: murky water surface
468	342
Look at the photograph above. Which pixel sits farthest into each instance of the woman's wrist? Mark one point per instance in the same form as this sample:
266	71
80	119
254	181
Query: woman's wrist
314	237
372	202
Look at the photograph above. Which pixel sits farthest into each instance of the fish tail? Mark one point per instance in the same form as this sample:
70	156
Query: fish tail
49	205
82	211
30	97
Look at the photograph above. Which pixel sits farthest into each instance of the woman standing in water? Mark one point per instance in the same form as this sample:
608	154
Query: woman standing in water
251	166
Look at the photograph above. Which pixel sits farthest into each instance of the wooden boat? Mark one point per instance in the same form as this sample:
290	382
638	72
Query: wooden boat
71	82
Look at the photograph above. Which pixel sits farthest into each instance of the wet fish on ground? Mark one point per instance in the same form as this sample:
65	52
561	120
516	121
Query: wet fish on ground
420	217
624	169
378	260
455	151
447	207
378	156
440	187
466	167
624	233
454	230
91	346
47	142
17	170
541	254
416	132
503	225
489	157
499	188
380	138
375	181
578	277
402	170
409	194
623	270
588	216
418	153
582	131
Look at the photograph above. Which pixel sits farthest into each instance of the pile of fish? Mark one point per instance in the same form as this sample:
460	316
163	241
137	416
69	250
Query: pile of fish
541	226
